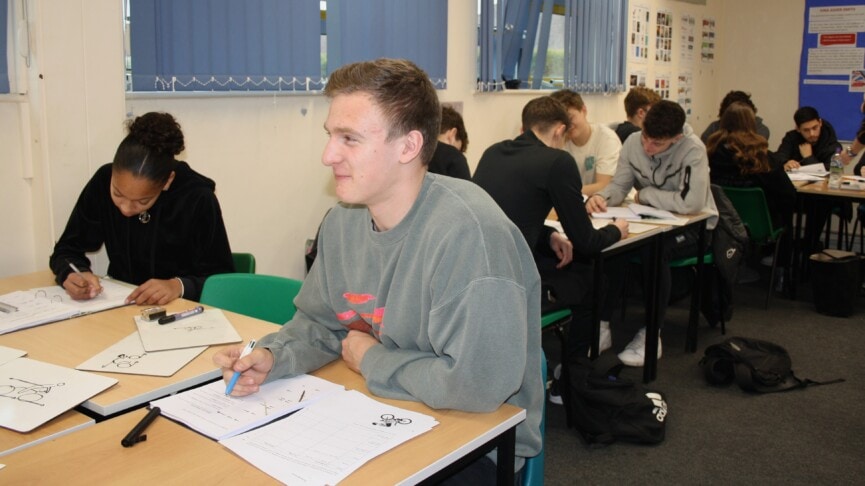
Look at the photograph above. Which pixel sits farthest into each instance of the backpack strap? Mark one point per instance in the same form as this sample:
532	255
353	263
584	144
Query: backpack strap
744	378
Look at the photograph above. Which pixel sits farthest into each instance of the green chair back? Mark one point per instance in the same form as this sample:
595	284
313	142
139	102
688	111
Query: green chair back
266	297
750	203
243	262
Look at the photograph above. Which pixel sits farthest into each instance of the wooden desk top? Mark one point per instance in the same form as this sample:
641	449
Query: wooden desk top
175	454
71	342
821	188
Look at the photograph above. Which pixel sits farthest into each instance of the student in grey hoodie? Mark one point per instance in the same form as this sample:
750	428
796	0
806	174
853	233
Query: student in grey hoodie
669	169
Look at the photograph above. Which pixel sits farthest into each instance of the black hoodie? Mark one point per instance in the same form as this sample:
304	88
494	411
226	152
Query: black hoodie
184	238
822	150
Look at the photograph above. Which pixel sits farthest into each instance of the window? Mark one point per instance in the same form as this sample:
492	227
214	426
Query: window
275	45
578	44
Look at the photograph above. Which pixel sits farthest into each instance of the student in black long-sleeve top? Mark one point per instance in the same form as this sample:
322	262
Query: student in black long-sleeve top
159	220
812	142
530	175
739	157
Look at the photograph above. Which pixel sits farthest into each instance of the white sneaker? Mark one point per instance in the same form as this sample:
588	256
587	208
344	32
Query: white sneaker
555	393
606	337
635	352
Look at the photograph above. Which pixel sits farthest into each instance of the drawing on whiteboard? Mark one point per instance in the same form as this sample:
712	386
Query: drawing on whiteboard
32	393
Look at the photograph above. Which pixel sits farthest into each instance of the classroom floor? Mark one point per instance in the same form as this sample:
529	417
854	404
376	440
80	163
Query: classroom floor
724	435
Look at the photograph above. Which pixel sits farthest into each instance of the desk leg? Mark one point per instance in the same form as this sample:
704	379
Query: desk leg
594	350
694	316
650	364
797	248
505	458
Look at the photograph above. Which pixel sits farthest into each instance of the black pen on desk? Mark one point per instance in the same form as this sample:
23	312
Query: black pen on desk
136	435
181	315
7	308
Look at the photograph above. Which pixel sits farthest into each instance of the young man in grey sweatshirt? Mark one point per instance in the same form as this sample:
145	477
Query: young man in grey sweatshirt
669	170
421	284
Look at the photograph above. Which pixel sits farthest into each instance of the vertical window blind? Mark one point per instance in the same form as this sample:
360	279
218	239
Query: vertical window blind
4	34
594	45
414	30
232	45
222	45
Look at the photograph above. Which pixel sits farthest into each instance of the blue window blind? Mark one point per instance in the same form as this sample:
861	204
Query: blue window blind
415	30
596	36
225	45
4	63
594	44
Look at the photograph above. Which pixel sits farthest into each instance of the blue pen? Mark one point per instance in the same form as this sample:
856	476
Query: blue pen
243	354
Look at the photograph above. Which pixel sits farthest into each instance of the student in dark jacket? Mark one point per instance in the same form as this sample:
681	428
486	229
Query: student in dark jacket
530	175
448	158
739	157
813	141
735	96
159	220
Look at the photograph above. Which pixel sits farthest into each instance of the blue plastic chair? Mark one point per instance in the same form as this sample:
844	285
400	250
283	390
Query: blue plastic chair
533	470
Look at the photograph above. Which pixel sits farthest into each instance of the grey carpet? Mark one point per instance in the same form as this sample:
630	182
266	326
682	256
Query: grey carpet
725	435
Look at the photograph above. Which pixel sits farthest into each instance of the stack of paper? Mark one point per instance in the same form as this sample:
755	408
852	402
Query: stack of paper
328	440
811	172
641	213
208	410
33	392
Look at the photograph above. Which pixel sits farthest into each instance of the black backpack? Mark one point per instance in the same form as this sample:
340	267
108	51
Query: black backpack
604	407
756	365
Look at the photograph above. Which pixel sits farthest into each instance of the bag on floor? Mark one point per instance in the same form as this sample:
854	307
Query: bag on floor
605	407
756	365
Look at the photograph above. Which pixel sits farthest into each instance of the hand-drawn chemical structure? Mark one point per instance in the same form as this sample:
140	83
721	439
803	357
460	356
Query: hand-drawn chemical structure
388	420
124	360
31	393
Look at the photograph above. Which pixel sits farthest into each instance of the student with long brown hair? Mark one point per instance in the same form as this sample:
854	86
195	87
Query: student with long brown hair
740	157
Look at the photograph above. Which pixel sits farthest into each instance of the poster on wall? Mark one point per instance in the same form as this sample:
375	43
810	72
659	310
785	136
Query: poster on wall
637	78
832	63
707	41
662	85
638	44
664	37
687	26
684	92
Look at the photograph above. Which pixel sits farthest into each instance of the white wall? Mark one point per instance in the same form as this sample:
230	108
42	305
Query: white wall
264	151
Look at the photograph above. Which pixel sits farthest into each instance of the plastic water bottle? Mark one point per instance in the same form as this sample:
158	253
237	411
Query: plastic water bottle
836	170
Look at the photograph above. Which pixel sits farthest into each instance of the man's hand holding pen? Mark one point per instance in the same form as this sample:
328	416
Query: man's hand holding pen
253	368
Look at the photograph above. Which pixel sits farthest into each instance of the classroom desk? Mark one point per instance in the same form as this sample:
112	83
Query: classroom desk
68	422
71	342
177	455
633	241
653	239
810	191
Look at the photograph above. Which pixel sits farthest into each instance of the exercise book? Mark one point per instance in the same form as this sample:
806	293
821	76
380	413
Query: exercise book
211	412
33	392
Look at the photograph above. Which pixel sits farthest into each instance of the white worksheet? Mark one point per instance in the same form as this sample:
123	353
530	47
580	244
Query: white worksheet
28	308
128	356
328	440
8	354
33	392
209	327
208	410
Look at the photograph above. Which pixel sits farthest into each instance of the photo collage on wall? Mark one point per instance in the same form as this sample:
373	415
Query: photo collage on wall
664	37
638	44
688	38
707	49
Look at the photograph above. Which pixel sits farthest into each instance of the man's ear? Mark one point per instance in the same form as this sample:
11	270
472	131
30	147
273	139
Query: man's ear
412	146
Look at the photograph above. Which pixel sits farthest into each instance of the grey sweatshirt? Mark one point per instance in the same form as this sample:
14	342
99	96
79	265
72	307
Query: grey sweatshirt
452	293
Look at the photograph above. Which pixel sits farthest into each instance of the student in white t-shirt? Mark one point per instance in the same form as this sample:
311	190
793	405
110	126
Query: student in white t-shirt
594	146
